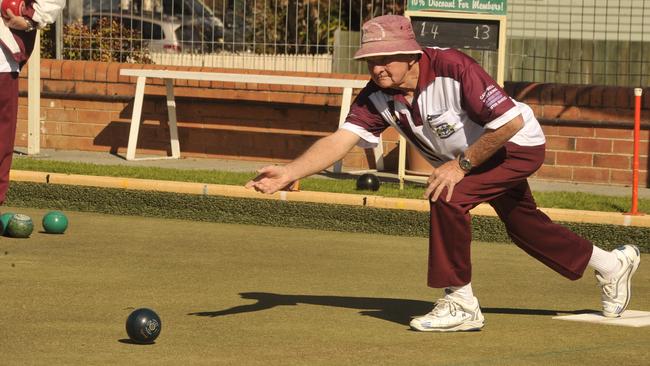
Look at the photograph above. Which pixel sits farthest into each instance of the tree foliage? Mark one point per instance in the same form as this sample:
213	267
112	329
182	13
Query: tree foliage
296	26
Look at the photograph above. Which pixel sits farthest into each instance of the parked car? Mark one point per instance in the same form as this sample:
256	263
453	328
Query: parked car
163	33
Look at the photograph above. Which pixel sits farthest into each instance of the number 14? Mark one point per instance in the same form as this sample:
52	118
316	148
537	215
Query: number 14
434	30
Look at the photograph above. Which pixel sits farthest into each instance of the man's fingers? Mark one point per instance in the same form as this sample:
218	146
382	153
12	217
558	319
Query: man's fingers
264	172
251	182
436	194
257	186
429	190
450	191
433	186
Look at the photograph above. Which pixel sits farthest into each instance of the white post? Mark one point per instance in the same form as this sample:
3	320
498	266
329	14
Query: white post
135	118
401	162
171	113
34	99
346	101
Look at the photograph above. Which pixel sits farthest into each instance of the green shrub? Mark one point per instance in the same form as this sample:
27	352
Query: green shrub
107	41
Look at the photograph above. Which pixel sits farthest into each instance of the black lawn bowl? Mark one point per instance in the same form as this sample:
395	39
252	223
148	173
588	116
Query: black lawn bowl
143	326
368	182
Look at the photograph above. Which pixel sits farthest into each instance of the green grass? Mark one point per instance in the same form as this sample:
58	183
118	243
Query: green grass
568	200
256	295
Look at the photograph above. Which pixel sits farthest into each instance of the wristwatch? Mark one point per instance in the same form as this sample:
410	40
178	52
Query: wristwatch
464	163
30	24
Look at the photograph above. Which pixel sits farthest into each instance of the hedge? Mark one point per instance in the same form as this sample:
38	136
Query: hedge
281	213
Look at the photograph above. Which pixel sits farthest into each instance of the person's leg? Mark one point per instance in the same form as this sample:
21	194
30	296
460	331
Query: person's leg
564	251
502	181
450	222
534	232
8	116
450	238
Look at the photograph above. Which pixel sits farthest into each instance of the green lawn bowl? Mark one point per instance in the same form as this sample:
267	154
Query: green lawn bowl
20	226
4	222
55	222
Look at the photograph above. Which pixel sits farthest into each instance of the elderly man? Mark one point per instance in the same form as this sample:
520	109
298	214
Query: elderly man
483	146
17	42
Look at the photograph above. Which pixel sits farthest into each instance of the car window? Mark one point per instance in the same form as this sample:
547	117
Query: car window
151	31
131	23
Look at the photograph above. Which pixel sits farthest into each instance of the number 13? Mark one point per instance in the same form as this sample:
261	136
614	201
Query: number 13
482	32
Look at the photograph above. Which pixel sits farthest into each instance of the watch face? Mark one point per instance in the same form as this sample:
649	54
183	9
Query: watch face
465	164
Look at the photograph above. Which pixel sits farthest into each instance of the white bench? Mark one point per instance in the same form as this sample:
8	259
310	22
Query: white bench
169	75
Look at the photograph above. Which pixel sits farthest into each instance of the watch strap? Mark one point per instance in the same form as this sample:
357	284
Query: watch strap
30	24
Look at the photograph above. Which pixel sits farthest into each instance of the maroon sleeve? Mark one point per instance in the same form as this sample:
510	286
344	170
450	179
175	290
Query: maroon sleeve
482	98
364	114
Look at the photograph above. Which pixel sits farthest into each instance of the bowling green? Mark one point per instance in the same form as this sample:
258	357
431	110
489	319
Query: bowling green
252	295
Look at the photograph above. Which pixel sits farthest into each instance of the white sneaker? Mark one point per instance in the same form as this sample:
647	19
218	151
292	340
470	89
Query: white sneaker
450	315
616	291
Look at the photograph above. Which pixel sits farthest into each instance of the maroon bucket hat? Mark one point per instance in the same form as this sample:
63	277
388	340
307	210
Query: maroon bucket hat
387	35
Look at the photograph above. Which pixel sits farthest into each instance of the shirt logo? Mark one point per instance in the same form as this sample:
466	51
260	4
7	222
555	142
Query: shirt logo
444	130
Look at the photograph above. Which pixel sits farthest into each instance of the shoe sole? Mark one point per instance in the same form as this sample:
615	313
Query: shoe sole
635	265
465	327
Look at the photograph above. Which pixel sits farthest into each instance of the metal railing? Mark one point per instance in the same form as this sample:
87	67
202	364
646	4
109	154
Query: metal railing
603	42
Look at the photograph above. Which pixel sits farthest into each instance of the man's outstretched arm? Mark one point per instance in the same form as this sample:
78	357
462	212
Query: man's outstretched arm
319	156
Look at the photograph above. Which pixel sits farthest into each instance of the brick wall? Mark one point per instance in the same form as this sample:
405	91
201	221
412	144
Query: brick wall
87	106
589	131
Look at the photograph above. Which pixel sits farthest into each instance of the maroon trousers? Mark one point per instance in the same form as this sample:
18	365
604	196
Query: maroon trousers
502	182
8	120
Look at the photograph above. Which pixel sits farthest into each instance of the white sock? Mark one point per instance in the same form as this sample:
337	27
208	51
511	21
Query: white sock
606	263
463	293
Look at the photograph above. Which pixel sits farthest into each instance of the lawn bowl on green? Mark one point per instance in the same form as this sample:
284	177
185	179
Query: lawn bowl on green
4	222
368	182
143	326
55	222
20	226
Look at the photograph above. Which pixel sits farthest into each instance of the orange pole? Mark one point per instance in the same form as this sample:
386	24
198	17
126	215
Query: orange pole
635	161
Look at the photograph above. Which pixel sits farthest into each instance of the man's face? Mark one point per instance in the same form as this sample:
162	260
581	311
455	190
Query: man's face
389	71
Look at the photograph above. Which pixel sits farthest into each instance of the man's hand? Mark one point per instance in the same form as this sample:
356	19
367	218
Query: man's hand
447	175
450	173
15	21
270	179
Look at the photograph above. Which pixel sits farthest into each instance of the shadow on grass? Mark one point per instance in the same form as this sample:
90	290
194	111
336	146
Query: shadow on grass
130	341
394	310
